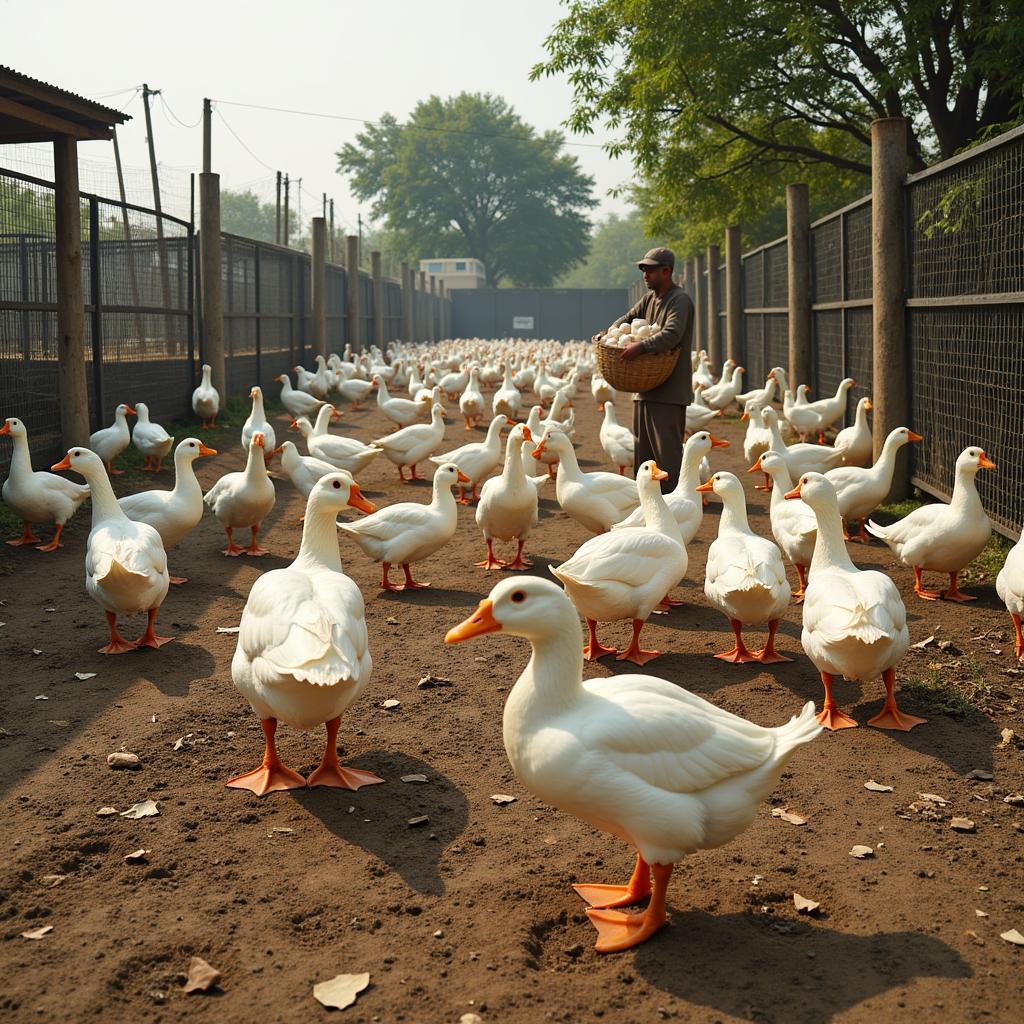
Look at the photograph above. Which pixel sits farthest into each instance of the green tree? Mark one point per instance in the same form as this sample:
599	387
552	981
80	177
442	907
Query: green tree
466	176
245	214
721	104
616	243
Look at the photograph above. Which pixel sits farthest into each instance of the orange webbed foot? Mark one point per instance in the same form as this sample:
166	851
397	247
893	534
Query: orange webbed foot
832	718
617	931
637	655
602	897
118	646
890	717
342	778
267	779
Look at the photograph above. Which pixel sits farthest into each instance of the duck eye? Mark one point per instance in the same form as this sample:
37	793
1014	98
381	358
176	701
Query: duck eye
519	597
337	484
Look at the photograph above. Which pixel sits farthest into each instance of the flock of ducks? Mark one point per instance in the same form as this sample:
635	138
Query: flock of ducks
635	755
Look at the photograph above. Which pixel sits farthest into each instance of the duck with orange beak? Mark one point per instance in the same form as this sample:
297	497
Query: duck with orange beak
855	622
943	538
244	499
125	563
745	577
175	513
633	755
303	652
109	442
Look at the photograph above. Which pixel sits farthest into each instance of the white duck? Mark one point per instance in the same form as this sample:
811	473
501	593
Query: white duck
684	501
699	416
601	390
37	497
410	445
206	400
298	403
856	440
758	438
125	563
401	411
616	440
855	623
355	390
175	513
150	439
257	423
302	378
943	538
761	396
1010	588
471	402
109	442
305	470
303	653
478	459
745	577
244	499
819	416
408	532
861	491
595	500
344	453
508	503
454	383
507	399
628	573
634	755
793	524
320	383
723	394
800	458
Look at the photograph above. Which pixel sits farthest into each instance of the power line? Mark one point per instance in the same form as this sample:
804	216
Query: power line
167	110
414	127
238	138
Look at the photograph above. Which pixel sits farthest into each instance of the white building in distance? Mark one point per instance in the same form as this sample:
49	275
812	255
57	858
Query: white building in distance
455	273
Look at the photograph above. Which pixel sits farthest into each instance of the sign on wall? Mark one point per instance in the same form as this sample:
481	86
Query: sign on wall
522	323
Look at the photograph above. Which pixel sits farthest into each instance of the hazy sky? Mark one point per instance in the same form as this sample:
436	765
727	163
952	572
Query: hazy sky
342	57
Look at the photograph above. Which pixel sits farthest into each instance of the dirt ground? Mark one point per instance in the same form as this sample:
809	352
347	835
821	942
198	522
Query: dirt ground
472	911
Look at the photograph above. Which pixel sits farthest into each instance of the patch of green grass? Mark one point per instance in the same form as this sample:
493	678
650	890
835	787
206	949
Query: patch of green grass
986	566
886	514
958	689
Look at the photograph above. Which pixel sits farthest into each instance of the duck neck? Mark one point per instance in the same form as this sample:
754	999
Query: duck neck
609	415
206	376
734	515
689	476
255	466
185	483
552	679
568	466
257	408
319	546
443	498
886	464
781	483
514	471
494	431
101	494
657	515
829	547
21	458
965	493
322	419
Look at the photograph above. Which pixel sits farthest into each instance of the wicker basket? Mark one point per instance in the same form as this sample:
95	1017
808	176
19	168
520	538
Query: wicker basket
645	372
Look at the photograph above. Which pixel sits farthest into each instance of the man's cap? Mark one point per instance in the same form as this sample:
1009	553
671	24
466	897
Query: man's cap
659	257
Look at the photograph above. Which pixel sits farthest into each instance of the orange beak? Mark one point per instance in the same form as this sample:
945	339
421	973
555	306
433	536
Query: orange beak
203	450
335	414
658	474
539	450
64	463
463	479
252	393
480	622
258	440
868	405
527	436
294	425
756	467
717	442
129	411
854	384
795	493
911	436
277	450
745	416
356	500
704	488
6	428
509	422
984	462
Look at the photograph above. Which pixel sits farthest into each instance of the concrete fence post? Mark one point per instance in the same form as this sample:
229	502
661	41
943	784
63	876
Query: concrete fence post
211	281
798	263
318	284
423	329
406	302
444	310
700	302
377	275
714	328
890	358
355	335
734	296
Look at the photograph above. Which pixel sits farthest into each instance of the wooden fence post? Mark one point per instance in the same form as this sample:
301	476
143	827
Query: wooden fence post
733	296
355	337
433	308
318	284
890	362
700	302
798	263
72	388
378	299
212	281
423	330
714	332
406	302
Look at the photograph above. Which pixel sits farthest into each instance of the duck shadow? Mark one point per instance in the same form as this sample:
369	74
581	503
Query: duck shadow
434	597
763	968
413	851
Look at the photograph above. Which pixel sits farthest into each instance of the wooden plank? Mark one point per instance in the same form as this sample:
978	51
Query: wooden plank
51	122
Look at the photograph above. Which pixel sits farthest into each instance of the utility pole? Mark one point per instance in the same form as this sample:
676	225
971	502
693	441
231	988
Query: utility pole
277	214
207	134
161	252
284	235
332	230
134	281
298	204
359	254
324	214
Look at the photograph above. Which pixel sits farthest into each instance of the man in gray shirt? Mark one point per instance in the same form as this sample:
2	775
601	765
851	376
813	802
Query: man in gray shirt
659	415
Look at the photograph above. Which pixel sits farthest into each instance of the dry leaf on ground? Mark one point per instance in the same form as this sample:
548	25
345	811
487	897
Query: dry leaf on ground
804	905
201	976
38	933
962	825
877	787
1013	936
340	991
414	778
136	857
85	675
787	815
860	852
391	704
1008	736
503	798
228	629
933	799
143	809
106	812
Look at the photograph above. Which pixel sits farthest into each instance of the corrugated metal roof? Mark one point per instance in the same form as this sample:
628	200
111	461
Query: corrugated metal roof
98	110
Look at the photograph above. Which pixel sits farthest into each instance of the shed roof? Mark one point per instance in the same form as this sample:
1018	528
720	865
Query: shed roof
34	111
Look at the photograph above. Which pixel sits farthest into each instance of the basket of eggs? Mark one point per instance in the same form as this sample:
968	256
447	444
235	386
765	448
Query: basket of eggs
643	373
